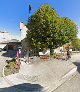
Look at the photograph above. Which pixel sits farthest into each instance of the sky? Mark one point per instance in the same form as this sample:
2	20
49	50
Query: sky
12	12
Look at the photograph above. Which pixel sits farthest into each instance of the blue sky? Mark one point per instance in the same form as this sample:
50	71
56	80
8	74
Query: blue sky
14	11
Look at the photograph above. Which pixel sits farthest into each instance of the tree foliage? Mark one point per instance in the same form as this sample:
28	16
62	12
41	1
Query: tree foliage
76	44
48	30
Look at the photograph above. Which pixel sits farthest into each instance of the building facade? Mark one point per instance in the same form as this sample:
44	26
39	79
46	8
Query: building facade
7	41
23	30
4	36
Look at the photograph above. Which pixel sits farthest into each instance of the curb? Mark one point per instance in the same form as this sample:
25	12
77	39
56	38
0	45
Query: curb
65	78
3	71
70	72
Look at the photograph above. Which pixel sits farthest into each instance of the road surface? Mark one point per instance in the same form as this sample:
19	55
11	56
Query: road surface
72	85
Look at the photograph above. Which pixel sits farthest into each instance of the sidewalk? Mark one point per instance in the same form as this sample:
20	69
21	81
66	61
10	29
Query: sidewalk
3	83
43	75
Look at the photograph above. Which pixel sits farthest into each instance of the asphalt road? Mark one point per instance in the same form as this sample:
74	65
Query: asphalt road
72	85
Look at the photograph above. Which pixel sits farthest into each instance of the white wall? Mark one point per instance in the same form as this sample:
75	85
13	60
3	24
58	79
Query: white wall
23	29
46	53
2	45
58	50
4	36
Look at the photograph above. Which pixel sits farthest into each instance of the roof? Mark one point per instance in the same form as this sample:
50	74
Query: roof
12	40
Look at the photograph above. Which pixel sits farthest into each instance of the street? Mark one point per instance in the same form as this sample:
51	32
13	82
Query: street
72	85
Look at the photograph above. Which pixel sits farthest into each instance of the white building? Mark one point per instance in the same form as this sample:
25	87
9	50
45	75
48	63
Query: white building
23	30
4	36
5	39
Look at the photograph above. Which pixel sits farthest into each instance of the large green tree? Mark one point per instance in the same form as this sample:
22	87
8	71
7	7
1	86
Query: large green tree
70	29
48	30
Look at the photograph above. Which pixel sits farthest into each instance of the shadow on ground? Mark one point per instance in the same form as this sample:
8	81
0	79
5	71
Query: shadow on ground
10	54
77	63
26	87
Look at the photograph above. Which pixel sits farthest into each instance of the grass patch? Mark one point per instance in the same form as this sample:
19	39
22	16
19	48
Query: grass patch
57	56
10	68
